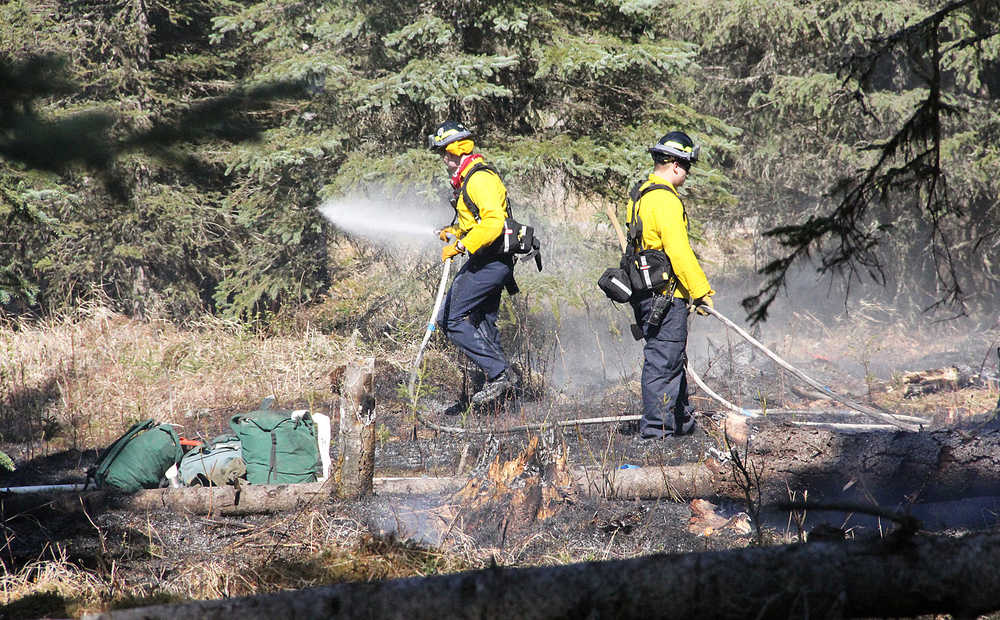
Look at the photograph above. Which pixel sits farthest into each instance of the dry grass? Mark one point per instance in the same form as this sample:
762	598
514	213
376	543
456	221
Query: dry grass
300	550
93	373
49	581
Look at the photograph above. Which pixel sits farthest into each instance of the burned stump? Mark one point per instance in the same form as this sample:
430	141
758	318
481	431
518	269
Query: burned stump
512	494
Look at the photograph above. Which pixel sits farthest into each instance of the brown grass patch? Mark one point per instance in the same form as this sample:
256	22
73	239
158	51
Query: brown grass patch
94	373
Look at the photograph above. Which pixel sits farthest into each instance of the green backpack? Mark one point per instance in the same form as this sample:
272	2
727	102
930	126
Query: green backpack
279	446
217	463
139	458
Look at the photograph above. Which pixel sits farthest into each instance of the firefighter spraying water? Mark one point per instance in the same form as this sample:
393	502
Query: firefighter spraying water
483	228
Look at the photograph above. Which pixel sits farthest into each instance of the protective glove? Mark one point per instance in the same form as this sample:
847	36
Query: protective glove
701	303
452	250
447	230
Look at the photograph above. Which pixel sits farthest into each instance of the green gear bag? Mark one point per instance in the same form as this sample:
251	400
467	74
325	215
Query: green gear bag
279	446
139	458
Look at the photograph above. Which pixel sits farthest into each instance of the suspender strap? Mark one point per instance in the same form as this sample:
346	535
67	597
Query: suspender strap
472	206
635	222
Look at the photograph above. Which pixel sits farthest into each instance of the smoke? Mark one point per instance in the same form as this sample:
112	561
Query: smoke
854	334
400	224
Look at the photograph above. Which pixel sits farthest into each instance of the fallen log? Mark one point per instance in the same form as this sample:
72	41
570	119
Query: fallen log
909	576
242	500
675	482
248	499
419	486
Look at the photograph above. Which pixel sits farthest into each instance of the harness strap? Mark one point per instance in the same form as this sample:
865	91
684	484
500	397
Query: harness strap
469	203
272	466
635	222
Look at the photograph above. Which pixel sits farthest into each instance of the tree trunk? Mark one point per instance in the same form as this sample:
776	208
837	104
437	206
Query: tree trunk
357	431
907	577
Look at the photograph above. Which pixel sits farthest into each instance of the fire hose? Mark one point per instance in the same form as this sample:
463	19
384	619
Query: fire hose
431	326
908	423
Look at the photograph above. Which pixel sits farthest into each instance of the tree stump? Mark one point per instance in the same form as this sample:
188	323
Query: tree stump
356	438
513	492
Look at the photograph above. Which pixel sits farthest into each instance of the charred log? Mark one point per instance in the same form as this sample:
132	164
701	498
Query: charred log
947	379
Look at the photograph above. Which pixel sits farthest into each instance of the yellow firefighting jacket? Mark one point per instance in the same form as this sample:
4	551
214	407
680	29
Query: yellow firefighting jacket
665	227
489	194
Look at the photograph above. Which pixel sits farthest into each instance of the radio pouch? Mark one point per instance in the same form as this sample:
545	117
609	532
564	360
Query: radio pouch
648	270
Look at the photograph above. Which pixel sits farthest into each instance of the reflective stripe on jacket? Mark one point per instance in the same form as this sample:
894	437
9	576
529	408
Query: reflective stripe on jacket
665	227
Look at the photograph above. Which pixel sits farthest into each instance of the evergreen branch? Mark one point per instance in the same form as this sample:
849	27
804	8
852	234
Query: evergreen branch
970	41
919	170
904	36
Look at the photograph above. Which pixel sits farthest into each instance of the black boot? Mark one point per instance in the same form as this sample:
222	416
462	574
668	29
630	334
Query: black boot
505	383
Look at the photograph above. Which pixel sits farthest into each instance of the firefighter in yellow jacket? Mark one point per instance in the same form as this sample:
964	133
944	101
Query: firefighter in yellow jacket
661	314
469	312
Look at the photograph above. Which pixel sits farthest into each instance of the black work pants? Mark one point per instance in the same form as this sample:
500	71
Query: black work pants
665	407
469	312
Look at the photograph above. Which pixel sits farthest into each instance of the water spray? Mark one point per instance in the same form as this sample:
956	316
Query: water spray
381	222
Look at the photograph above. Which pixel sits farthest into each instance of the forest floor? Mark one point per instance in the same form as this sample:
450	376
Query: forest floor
62	563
